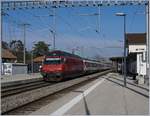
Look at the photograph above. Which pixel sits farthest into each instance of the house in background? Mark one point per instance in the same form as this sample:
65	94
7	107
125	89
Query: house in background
9	65
7	56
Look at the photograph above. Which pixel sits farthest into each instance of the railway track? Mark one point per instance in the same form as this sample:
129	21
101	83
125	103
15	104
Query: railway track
35	105
16	96
16	89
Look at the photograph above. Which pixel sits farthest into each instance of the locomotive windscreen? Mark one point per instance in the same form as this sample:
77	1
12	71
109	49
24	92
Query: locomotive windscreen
53	61
54	54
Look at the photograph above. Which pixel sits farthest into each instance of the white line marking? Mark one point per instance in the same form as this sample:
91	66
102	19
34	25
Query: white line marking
62	110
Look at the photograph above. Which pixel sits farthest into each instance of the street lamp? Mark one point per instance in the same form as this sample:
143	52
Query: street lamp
124	15
53	33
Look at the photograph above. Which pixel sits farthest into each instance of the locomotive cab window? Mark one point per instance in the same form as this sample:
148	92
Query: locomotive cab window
53	61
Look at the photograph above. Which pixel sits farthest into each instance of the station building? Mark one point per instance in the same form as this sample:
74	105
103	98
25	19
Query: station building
136	43
136	58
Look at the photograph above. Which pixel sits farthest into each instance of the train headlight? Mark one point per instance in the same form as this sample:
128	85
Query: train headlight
40	66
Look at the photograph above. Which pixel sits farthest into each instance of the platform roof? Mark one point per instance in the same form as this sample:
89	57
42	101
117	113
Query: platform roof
116	58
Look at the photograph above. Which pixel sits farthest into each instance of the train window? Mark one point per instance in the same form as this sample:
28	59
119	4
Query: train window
53	61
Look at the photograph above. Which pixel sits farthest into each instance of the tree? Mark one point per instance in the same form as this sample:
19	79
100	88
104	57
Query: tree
40	48
5	45
16	47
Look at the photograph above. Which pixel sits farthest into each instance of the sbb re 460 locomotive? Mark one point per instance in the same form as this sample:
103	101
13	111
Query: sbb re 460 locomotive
59	65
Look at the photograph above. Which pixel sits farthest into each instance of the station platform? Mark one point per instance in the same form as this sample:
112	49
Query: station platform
103	96
19	77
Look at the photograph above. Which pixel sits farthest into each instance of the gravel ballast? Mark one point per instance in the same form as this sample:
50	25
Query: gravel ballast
17	100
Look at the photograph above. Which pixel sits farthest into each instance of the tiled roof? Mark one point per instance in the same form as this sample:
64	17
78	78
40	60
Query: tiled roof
136	38
8	54
38	59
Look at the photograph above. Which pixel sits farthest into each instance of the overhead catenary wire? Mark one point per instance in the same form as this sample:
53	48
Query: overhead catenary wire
77	19
52	29
133	19
65	22
41	17
19	21
12	28
87	17
72	28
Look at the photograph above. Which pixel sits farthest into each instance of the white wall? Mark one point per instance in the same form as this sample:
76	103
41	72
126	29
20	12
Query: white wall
141	57
141	65
137	48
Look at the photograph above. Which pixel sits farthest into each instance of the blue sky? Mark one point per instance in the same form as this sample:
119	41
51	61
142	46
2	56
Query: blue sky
76	31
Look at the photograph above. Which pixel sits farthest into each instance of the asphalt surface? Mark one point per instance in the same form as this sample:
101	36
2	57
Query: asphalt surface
104	96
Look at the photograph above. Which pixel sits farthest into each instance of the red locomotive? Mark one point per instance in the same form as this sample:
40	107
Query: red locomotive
59	65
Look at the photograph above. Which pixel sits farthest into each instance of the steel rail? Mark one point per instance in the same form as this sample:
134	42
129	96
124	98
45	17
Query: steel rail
16	100
12	90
